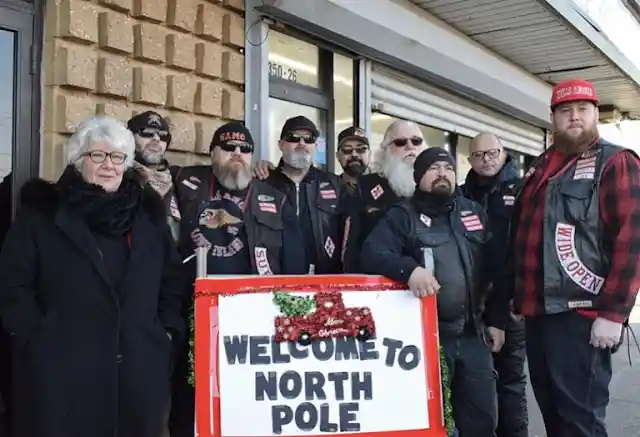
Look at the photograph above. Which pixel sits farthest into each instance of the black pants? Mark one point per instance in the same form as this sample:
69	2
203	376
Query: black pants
513	418
570	378
181	417
473	385
5	384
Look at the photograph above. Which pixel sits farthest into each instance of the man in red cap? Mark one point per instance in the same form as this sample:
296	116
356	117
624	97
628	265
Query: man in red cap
575	261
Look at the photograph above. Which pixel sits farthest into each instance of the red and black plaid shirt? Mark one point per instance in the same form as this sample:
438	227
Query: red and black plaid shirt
619	203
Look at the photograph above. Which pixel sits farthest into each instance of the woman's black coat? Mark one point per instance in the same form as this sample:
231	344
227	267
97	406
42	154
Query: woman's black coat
90	359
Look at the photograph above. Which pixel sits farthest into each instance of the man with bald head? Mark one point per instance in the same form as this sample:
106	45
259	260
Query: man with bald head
491	182
376	192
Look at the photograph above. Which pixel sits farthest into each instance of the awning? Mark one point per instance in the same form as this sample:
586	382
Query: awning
551	39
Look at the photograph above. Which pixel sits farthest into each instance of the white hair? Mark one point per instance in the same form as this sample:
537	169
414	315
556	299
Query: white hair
96	130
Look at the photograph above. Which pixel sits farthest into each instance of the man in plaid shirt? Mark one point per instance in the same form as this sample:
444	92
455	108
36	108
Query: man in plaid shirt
576	262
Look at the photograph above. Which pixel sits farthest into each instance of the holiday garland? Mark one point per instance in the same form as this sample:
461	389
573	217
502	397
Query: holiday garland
291	305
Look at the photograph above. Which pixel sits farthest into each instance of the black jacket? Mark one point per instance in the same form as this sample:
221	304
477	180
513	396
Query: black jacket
88	354
319	201
394	249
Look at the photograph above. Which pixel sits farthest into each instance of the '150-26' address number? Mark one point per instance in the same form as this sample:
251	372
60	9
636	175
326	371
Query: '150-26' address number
278	70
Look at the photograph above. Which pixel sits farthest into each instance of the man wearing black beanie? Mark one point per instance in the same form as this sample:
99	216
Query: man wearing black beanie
436	243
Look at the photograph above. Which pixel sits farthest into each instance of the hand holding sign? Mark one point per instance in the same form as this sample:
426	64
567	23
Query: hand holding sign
423	283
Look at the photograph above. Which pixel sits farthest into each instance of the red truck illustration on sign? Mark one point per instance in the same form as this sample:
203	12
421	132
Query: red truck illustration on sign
330	319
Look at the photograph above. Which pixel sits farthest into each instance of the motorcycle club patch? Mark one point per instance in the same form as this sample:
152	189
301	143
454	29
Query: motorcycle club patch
509	200
585	168
472	223
173	208
571	263
262	262
376	192
328	194
189	184
426	220
329	247
267	207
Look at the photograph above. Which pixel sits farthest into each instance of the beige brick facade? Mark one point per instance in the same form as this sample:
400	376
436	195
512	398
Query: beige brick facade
181	58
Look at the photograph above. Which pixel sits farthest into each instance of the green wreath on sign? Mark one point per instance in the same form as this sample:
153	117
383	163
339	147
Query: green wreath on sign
291	305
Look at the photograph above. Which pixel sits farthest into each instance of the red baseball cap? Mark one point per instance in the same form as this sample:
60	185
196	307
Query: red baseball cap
572	90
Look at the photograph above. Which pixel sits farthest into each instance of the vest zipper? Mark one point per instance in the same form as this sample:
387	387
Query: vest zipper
297	199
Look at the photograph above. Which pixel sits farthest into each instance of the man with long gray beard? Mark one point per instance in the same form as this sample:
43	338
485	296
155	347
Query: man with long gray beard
377	192
316	195
247	225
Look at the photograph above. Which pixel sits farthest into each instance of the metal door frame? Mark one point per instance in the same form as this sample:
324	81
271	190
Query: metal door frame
26	19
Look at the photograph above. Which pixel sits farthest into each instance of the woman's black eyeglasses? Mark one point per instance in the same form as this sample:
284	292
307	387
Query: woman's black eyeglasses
402	142
98	156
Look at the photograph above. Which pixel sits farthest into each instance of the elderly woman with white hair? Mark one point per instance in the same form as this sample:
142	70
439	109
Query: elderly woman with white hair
90	292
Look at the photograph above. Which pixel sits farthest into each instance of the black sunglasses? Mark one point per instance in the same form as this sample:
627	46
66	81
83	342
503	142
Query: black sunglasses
293	138
402	142
232	146
348	150
150	133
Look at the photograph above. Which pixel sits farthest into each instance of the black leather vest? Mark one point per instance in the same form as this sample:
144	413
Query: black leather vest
262	217
323	191
376	197
575	266
457	246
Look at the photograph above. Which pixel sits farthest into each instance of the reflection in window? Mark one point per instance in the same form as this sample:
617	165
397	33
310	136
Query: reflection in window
279	112
343	97
7	78
380	122
463	151
293	60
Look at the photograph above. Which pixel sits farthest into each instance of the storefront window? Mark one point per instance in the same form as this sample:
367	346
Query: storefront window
380	122
343	97
463	151
279	112
293	60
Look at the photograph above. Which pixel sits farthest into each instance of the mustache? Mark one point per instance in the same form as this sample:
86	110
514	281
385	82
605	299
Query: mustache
357	160
437	181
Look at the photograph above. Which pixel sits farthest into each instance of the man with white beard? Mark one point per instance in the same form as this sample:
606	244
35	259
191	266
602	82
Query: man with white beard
317	196
247	225
377	192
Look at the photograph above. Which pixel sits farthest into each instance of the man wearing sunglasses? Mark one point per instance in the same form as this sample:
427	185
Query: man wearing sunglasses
317	196
377	192
152	135
354	156
492	182
247	225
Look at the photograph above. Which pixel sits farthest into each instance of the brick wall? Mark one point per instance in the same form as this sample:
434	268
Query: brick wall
181	58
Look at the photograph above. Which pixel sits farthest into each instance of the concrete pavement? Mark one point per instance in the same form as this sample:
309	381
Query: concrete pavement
623	414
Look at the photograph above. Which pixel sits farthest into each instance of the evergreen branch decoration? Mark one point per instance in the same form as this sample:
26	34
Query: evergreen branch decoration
449	423
192	337
291	305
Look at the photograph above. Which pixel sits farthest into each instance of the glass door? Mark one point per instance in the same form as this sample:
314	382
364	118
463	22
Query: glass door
19	144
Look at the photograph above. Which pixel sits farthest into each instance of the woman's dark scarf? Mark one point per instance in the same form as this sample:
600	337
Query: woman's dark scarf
104	212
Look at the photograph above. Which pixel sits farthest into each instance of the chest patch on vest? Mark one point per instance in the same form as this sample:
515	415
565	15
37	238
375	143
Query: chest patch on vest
426	220
585	168
509	200
472	223
262	262
376	192
189	184
173	208
267	207
265	198
329	247
328	194
571	263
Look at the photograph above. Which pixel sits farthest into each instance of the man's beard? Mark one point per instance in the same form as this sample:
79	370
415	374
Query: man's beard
441	188
399	173
231	178
570	144
298	159
355	167
147	157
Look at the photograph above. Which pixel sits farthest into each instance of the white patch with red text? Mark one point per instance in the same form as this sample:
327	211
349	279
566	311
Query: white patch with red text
328	194
472	223
509	200
267	207
189	184
571	264
585	168
262	262
426	220
329	247
377	191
